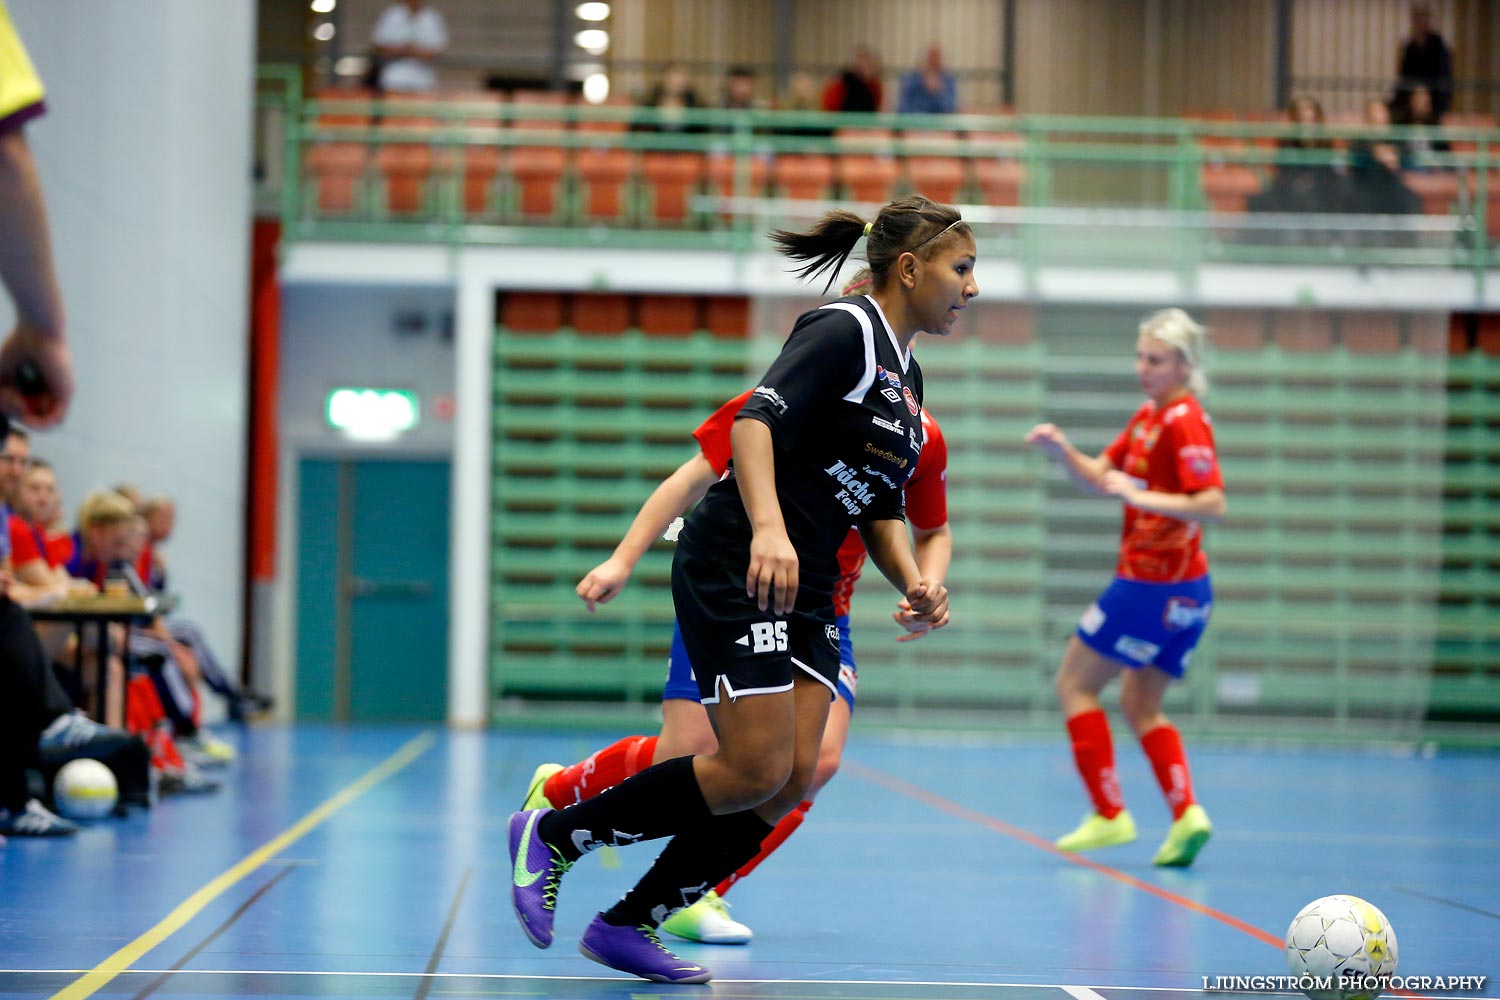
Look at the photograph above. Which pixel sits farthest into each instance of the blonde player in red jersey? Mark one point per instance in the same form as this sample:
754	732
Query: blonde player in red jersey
1164	471
685	726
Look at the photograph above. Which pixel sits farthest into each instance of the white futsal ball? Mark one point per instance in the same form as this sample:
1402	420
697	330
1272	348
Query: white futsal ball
85	789
1345	942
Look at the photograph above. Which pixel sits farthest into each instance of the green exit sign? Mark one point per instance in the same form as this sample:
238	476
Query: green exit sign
372	414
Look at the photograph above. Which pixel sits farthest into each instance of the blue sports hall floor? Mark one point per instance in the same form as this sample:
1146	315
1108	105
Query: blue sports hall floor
371	862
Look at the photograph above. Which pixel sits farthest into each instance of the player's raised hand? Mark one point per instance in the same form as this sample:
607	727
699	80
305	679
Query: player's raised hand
1049	438
603	582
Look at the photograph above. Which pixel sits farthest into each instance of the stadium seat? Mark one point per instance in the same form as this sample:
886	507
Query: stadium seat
538	169
600	313
604	168
669	314
727	315
1304	331
1438	189
804	176
336	167
671	180
1236	329
405	166
479	163
866	166
729	176
1371	332
1228	187
532	312
935	166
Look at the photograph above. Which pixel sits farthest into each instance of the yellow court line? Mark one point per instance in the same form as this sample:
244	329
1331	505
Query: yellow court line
100	975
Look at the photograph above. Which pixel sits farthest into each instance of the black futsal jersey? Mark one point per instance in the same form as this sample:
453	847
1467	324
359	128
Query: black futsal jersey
844	405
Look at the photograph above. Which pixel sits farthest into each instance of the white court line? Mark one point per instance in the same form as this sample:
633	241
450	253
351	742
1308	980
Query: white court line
1078	992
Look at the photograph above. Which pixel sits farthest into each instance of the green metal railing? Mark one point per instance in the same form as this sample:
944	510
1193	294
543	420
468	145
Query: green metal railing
1119	192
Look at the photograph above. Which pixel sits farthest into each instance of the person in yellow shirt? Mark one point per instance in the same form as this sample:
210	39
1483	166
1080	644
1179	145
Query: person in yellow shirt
36	369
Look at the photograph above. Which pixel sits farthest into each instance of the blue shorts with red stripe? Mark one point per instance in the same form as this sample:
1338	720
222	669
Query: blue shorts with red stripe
1140	623
682	684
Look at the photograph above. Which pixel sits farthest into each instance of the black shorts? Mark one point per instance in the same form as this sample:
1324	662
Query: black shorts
738	649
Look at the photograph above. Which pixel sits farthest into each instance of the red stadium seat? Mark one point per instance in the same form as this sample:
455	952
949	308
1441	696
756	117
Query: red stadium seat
1438	189
804	176
866	166
669	314
1236	329
479	164
1304	331
1228	187
729	176
538	169
335	168
600	313
532	312
1371	332
672	179
935	167
405	166
727	315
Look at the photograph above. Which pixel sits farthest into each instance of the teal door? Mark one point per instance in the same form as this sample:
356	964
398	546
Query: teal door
372	590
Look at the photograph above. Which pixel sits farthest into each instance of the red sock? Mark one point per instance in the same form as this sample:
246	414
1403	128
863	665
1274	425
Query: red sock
774	839
600	770
1163	745
1095	755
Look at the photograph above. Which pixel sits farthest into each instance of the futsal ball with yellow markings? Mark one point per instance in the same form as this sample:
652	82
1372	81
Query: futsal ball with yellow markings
85	789
1342	948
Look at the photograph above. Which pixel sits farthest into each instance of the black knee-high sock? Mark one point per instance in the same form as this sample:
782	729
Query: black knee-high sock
693	863
661	801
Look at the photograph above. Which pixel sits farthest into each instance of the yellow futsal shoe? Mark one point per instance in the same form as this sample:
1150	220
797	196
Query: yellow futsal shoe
1095	832
536	795
708	921
1185	839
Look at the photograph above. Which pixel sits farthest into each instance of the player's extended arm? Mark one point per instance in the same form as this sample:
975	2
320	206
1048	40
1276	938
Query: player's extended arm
890	549
26	271
1086	470
672	496
773	559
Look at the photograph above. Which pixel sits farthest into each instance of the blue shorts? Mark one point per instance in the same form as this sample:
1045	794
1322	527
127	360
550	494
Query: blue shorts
1140	624
682	684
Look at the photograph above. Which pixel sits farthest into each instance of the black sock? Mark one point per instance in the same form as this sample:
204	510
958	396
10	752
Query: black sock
662	800
693	863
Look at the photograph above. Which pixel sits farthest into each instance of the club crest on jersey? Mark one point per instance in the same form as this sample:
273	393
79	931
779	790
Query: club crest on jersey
911	400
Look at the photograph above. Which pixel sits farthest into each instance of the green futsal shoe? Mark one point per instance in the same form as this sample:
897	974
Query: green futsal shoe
536	792
708	921
1095	832
1185	839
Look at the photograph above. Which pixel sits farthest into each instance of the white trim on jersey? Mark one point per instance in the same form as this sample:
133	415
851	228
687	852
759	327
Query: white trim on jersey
905	355
857	394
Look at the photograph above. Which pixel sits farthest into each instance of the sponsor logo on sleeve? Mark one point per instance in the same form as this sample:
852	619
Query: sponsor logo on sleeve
773	396
1199	458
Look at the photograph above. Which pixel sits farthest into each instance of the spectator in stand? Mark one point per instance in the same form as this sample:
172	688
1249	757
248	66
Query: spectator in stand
408	36
801	95
1425	62
739	90
672	95
1375	166
857	87
930	90
1421	145
1305	179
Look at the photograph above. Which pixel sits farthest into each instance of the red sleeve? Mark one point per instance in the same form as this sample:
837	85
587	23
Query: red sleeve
1197	460
713	434
22	542
1120	445
59	550
833	96
927	490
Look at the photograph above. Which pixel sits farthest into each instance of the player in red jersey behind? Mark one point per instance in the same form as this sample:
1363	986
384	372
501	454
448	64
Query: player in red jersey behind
1164	471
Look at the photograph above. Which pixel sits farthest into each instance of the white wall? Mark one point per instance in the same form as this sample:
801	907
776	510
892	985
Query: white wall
336	335
145	156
